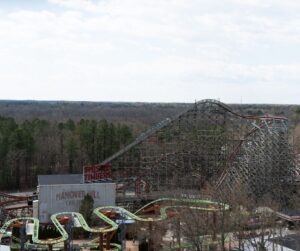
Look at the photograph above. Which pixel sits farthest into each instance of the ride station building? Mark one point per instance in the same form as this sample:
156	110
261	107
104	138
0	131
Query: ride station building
64	193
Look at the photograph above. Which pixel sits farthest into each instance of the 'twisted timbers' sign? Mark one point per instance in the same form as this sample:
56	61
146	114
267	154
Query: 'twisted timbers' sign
97	173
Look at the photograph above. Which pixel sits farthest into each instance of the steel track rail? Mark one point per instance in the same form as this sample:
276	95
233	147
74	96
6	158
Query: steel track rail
202	205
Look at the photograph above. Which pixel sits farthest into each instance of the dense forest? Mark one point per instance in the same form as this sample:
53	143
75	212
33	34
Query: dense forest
134	114
41	137
38	146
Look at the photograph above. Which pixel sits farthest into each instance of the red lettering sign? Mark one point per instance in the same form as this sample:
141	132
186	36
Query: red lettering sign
97	173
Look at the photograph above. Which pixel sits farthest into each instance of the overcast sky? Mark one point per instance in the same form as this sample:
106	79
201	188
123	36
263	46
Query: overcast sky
150	50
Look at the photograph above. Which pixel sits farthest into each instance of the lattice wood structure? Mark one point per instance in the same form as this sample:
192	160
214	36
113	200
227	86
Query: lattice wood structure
12	206
211	145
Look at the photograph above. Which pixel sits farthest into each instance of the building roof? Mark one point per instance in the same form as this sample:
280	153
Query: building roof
289	241
57	179
290	214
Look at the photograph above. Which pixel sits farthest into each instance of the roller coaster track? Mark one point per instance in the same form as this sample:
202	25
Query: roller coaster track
212	140
10	203
143	136
111	226
236	151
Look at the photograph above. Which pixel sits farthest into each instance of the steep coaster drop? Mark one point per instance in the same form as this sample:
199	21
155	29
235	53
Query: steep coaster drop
111	226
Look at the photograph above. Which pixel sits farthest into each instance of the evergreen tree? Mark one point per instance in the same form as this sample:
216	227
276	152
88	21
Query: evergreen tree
38	146
72	152
86	207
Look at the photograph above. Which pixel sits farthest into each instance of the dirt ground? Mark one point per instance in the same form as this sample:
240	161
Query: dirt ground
130	246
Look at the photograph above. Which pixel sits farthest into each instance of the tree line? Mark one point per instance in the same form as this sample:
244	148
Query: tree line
40	146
